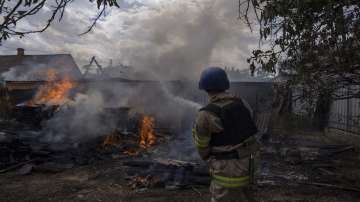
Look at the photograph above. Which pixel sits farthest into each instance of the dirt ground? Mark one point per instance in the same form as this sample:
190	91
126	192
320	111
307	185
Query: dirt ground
103	181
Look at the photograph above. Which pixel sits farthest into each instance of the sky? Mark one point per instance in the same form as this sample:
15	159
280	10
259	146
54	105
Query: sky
166	38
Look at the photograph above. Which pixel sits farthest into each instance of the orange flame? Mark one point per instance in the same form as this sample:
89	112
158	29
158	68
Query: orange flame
147	134
147	137
55	91
111	140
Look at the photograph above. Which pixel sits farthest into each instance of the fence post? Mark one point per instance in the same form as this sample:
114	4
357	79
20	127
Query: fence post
348	110
256	106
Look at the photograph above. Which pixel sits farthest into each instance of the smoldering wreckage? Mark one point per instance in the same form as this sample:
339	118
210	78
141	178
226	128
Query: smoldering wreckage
132	140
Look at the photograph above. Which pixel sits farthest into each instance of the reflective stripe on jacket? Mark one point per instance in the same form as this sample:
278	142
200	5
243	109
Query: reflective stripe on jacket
200	142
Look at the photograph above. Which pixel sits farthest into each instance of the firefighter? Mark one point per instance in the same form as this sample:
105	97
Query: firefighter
224	135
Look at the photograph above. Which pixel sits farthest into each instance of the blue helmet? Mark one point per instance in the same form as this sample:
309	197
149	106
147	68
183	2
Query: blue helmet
214	79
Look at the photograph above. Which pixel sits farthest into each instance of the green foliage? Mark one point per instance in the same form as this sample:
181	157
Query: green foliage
314	43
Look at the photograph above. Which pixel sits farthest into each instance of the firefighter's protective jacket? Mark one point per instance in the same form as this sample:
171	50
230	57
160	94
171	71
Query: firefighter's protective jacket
226	173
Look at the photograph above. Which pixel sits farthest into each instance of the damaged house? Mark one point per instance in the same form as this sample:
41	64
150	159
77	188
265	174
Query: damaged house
24	73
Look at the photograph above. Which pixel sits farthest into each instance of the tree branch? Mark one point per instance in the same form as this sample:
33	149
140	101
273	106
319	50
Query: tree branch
95	20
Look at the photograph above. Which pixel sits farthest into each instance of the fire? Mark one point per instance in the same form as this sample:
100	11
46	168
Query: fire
147	134
55	91
111	140
147	138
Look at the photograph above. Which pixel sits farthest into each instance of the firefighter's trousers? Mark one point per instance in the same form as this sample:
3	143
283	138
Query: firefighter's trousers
231	177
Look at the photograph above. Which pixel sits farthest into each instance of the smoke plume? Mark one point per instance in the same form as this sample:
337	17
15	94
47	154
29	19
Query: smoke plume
161	40
173	39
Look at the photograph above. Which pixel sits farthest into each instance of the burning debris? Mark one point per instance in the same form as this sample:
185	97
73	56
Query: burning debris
56	132
48	99
55	91
147	134
64	131
132	129
111	140
133	142
128	115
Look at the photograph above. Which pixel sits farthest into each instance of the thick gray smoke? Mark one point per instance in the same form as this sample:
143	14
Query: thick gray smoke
78	121
35	68
86	117
174	39
162	40
181	38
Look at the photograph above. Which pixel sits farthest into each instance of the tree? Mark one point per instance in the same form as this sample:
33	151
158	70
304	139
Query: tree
13	12
314	43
